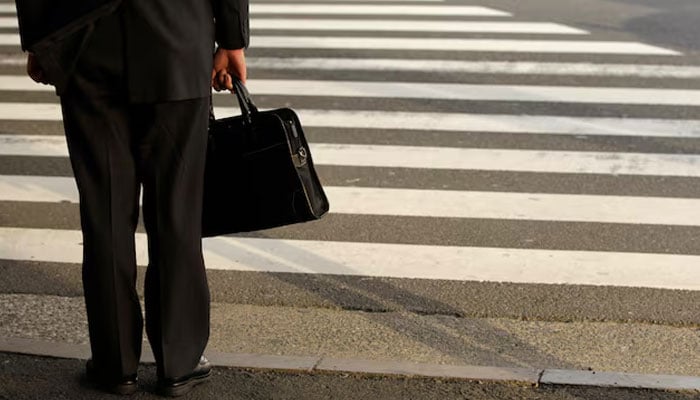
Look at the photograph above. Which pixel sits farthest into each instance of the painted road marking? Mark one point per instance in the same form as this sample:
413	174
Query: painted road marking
374	9
386	156
382	1
9	39
436	203
413	26
454	91
356	9
471	67
9	22
454	44
448	122
442	91
475	67
394	26
393	260
443	44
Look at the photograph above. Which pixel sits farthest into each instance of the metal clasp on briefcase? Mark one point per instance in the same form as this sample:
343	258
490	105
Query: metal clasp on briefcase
300	157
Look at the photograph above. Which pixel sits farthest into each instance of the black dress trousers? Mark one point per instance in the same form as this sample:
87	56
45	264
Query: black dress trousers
116	148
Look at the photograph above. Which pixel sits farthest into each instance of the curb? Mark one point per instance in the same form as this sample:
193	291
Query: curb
318	364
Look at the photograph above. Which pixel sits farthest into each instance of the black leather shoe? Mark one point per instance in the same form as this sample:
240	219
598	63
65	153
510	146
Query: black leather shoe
174	387
125	385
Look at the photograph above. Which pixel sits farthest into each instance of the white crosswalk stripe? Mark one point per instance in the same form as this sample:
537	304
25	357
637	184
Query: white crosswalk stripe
9	22
587	162
393	26
383	1
394	260
9	39
380	1
437	203
421	121
357	9
413	26
445	44
446	91
572	160
520	93
458	44
477	67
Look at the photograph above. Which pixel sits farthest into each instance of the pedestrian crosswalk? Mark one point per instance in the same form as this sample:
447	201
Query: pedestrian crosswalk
392	25
443	203
387	259
450	158
352	129
355	9
448	122
412	26
477	67
457	44
446	44
361	9
446	91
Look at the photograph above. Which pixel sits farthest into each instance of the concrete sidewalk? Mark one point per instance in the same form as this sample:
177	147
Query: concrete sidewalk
400	336
354	351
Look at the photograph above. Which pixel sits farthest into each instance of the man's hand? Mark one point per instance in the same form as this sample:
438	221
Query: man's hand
34	70
226	64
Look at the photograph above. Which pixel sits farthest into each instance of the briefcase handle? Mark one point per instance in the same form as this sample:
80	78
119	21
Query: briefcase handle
248	108
246	104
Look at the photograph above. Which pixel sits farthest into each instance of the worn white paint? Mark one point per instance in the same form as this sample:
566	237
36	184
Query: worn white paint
442	44
449	122
574	162
476	67
375	9
393	26
393	260
309	24
437	203
443	91
466	45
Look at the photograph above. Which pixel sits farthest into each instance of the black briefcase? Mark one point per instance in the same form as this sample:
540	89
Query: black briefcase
259	172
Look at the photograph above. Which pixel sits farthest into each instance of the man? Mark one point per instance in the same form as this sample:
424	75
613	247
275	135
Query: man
135	78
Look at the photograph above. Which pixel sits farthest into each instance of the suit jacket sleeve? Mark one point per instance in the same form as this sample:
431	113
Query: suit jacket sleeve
232	25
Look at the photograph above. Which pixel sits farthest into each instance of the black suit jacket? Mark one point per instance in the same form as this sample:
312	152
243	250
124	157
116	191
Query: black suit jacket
40	18
168	44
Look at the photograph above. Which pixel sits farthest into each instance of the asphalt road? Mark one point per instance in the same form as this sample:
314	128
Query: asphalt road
669	23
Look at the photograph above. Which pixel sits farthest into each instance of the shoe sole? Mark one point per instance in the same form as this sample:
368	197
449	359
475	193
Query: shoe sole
123	390
185	387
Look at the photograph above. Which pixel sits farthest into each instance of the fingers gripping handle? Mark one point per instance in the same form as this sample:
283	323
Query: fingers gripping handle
248	108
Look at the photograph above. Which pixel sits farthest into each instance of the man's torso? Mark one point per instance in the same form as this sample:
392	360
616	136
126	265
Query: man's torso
166	46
